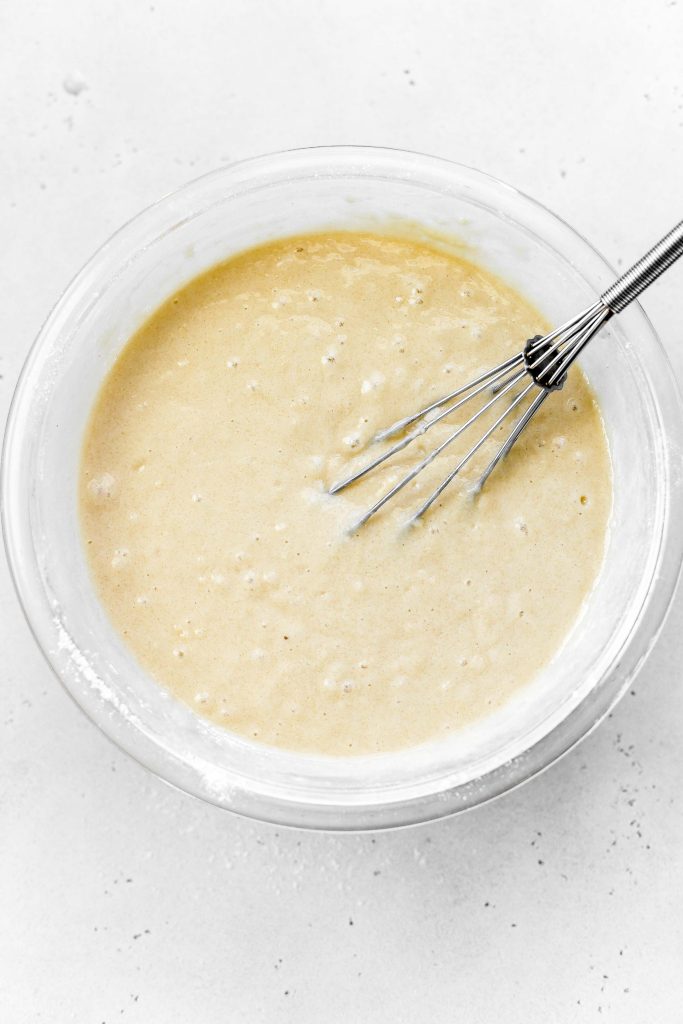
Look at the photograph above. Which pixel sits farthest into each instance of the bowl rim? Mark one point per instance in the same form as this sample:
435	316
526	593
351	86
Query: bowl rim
413	809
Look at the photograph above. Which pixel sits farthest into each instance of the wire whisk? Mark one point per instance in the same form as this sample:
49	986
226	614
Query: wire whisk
539	369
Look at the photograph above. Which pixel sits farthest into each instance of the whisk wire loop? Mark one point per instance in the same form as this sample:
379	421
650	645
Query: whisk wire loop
437	451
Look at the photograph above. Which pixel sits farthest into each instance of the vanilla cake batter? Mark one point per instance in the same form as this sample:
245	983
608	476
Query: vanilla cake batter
227	568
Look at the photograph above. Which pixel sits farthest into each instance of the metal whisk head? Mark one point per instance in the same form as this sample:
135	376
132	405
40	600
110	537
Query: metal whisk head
539	369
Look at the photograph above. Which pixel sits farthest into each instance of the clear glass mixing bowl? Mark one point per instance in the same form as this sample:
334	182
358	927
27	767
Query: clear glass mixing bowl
208	220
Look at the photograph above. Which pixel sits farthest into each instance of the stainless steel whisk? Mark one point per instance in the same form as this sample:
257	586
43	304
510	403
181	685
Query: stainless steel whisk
540	368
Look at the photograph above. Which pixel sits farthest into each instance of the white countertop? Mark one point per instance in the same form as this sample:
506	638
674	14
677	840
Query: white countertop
122	900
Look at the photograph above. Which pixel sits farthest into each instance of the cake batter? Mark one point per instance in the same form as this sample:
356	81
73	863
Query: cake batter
226	566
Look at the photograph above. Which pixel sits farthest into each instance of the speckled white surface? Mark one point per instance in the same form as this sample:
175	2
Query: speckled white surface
123	900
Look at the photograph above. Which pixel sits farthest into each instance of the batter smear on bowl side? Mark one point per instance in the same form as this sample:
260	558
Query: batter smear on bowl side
228	569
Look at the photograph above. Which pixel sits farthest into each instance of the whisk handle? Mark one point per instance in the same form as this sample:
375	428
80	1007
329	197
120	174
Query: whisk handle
635	280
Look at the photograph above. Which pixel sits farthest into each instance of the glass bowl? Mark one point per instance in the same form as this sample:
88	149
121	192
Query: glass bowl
256	201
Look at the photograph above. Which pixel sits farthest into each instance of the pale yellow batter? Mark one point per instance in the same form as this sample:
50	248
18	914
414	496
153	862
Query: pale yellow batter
225	565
